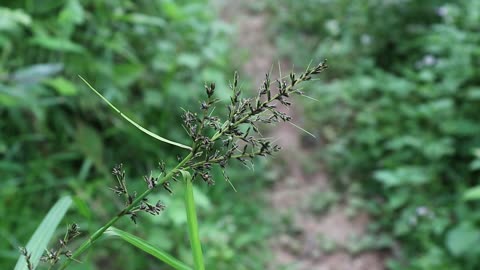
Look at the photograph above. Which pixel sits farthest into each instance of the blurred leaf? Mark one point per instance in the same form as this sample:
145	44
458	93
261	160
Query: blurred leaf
462	238
474	93
82	207
11	19
41	237
171	9
7	100
138	18
201	199
89	142
127	74
189	60
472	194
475	165
35	73
402	176
57	44
476	152
63	86
153	98
72	13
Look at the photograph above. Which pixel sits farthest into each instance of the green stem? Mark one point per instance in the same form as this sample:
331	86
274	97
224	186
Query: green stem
193	226
89	242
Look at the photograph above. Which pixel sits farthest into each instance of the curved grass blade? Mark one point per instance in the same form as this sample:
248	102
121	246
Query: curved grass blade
44	232
148	248
192	222
144	130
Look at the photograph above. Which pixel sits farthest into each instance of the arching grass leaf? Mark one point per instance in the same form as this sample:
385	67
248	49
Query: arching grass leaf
144	130
148	248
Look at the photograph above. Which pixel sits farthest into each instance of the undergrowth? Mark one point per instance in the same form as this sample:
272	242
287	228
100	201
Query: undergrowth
399	116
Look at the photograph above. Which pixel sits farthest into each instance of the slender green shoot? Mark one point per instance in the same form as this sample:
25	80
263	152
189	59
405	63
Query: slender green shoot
144	130
302	129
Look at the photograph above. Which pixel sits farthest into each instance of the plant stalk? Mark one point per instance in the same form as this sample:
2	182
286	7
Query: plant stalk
193	226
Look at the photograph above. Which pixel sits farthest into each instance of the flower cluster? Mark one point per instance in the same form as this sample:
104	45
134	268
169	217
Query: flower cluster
216	140
27	257
145	205
237	137
52	256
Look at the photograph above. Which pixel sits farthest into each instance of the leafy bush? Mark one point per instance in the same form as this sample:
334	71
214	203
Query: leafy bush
400	115
148	57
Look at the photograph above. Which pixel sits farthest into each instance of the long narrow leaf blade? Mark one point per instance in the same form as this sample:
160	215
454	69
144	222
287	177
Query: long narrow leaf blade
41	237
148	248
193	223
144	130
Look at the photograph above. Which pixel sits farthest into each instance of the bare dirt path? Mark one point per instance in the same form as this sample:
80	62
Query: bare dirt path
305	248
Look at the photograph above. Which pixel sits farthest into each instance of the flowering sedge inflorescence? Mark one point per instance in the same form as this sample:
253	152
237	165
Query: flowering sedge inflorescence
145	206
237	137
52	256
217	140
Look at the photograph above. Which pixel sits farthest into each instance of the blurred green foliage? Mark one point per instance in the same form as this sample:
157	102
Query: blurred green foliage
399	113
149	58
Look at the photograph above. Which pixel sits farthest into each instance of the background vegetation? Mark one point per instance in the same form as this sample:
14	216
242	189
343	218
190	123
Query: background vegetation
399	116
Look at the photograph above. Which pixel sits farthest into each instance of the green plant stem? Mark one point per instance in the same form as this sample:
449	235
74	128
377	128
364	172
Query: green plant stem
193	226
88	243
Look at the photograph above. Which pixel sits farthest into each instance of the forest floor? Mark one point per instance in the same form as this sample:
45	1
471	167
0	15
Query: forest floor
318	241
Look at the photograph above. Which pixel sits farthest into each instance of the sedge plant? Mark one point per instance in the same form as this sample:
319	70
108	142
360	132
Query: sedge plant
216	140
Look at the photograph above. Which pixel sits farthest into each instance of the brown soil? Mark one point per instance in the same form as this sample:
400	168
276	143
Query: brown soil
300	250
